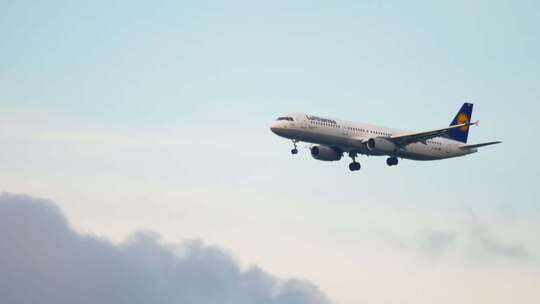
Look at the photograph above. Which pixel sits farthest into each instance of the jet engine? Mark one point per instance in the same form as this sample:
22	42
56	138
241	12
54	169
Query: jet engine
325	153
380	144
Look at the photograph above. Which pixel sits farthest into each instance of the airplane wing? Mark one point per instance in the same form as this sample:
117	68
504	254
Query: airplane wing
402	140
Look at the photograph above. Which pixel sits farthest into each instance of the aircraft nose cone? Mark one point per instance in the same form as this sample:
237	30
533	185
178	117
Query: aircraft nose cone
274	127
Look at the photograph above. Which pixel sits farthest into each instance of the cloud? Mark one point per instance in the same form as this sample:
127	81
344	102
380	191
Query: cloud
42	260
437	242
488	243
476	240
498	248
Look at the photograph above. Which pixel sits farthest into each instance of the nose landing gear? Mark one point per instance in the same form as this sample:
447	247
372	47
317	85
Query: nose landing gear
392	161
295	149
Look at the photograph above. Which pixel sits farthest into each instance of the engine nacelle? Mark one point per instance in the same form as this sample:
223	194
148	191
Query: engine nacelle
380	144
325	153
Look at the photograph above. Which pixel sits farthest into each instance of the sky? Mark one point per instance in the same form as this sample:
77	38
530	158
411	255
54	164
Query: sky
133	117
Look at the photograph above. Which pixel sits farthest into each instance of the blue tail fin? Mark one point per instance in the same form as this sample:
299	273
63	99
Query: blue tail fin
463	116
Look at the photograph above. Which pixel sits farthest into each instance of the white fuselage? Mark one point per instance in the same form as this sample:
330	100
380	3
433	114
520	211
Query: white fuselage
347	136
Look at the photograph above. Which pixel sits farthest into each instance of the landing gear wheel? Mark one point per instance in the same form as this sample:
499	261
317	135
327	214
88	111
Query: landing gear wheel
294	151
354	166
392	161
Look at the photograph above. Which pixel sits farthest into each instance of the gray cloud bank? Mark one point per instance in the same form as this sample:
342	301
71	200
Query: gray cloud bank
42	260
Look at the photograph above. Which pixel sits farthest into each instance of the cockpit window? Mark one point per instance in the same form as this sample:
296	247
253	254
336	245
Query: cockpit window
285	118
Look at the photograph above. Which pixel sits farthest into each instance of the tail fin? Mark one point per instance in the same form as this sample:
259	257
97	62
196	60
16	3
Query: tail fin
463	116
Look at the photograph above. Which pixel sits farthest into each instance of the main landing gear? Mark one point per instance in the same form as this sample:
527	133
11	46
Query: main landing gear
354	166
295	149
392	161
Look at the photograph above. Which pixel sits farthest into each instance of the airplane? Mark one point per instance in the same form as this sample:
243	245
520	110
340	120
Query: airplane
335	137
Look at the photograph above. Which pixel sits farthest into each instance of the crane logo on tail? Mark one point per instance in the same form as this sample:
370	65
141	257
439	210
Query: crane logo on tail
461	119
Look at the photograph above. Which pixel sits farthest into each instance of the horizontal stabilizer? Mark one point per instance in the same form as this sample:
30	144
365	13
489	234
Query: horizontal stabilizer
480	145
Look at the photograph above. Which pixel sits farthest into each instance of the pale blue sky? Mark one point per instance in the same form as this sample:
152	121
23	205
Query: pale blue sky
133	115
